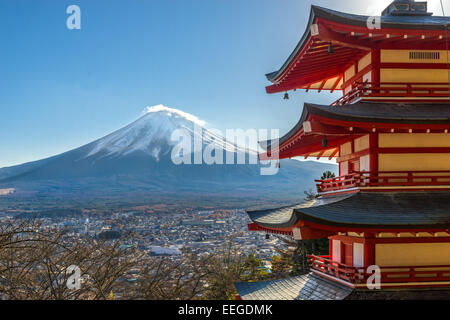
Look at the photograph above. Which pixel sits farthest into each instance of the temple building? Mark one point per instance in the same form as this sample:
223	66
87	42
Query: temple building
389	132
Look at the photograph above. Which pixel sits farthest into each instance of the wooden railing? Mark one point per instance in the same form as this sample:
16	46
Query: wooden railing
385	178
410	91
395	274
333	268
339	183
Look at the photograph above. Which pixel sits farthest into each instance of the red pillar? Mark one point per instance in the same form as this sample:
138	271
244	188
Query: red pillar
330	250
374	153
376	63
369	251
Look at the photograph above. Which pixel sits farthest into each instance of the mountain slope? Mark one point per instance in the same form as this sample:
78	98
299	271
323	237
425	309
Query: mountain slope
137	159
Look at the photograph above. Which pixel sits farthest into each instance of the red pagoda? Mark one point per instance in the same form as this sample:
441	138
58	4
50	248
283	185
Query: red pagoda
389	133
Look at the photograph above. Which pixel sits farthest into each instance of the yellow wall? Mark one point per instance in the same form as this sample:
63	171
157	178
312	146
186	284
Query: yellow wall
412	254
345	149
413	75
364	61
413	140
350	72
402	56
344	168
414	162
362	143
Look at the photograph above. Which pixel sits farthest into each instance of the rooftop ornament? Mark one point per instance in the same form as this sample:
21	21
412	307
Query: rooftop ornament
407	8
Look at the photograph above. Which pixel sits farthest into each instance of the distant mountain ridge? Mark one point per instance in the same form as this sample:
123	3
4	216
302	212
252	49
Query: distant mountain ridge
137	159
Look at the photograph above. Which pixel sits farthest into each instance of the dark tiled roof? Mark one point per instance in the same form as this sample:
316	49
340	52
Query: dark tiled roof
407	113
305	287
389	22
385	112
381	210
285	217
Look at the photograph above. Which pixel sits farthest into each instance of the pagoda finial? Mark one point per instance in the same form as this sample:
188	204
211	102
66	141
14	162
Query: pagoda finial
407	8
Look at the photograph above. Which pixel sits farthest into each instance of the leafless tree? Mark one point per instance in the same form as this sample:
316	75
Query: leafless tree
34	264
35	260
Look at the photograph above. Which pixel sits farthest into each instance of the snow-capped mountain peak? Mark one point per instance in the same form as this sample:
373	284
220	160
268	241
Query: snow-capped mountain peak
171	112
150	134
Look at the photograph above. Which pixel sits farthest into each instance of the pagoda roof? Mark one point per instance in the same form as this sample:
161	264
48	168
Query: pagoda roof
383	112
305	287
309	65
364	115
315	287
364	210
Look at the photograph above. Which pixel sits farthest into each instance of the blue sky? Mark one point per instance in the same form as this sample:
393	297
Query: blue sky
60	88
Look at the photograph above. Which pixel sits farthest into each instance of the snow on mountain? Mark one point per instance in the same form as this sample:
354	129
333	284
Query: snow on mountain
152	134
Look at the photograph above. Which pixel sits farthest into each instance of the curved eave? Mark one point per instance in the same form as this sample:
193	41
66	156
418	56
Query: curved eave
425	23
363	211
365	115
398	113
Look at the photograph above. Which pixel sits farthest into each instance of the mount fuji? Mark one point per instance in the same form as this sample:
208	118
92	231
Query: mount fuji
135	164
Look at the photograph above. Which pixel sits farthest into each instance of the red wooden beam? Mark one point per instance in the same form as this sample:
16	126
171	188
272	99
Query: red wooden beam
314	127
306	233
320	154
413	150
326	34
297	151
376	58
302	81
321	63
364	30
307	89
353	156
334	154
373	143
322	85
419	46
374	240
336	83
378	125
341	52
349	228
386	65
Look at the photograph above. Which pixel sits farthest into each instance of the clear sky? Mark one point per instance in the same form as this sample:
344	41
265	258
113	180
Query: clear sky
60	88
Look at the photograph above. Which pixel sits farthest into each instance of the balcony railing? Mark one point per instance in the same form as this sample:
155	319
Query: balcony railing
333	268
385	179
395	90
395	274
